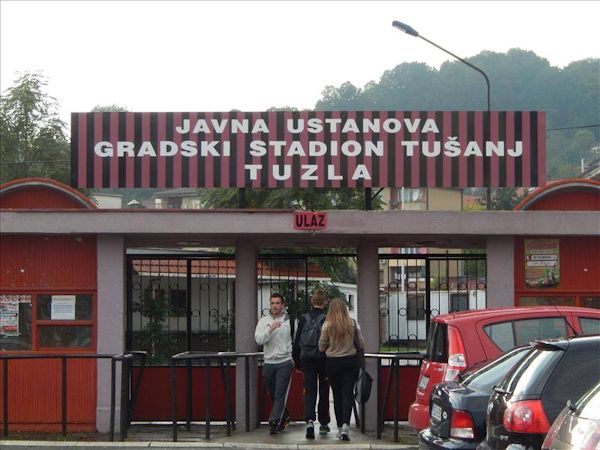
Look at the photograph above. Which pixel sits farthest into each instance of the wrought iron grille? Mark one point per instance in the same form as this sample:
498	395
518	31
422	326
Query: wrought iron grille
178	304
414	288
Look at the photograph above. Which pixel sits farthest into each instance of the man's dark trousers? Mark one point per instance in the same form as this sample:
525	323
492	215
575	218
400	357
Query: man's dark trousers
277	379
314	371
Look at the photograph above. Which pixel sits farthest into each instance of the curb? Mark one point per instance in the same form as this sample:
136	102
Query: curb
46	445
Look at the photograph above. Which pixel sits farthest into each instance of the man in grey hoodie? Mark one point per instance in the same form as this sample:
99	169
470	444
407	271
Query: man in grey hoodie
273	332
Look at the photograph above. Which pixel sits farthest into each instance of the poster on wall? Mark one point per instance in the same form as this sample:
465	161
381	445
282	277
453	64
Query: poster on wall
63	307
542	263
9	313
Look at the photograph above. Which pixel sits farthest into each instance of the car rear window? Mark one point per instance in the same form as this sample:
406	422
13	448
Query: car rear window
531	373
507	335
437	342
576	373
589	325
490	374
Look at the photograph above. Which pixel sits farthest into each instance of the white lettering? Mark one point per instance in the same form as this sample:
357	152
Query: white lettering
309	170
331	173
287	172
167	148
125	147
258	148
253	168
518	150
188	148
361	172
146	149
103	149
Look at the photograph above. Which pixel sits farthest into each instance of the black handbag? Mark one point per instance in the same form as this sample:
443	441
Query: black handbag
360	351
362	388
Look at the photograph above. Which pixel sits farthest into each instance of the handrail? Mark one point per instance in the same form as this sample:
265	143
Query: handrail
6	357
222	357
395	359
127	403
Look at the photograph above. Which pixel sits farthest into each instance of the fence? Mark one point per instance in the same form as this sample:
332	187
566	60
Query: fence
127	399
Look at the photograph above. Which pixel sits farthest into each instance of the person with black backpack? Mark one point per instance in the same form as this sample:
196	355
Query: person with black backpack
311	361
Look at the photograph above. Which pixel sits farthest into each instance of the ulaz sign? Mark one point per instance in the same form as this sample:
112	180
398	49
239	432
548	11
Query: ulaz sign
308	149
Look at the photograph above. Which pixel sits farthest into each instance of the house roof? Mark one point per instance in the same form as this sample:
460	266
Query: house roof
224	268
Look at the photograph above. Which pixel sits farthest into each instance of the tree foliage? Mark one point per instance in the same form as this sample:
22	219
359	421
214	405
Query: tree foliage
520	80
33	139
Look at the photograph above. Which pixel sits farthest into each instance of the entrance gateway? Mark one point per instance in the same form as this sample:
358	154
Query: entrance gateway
182	303
421	157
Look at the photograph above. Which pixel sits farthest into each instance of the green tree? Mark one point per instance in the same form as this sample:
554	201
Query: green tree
33	139
505	198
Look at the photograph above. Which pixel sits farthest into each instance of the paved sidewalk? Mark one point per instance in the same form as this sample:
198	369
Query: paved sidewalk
157	437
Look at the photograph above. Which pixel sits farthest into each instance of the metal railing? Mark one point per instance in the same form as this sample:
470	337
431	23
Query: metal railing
224	360
124	358
392	379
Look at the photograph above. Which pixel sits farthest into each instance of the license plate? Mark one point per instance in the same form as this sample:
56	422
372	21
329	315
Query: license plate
423	383
436	413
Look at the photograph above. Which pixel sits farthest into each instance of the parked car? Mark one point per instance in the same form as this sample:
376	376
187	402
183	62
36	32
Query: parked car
457	408
578	425
533	393
457	341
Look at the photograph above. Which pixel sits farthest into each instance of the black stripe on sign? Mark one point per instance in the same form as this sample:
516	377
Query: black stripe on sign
296	161
470	158
89	153
486	159
343	159
311	159
360	159
106	161
533	148
422	158
201	162
280	135
518	159
185	160
375	159
279	123
247	156
232	155
137	138
154	141
454	160
216	160
266	171
439	163
327	140
170	159
407	161
74	150
502	138
123	160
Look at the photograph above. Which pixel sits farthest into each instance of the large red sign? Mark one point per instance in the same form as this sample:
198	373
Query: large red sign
308	149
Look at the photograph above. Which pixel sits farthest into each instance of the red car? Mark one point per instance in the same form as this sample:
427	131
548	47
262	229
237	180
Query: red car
459	340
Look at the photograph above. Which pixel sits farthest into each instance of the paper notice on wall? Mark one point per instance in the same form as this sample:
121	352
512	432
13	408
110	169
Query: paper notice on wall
9	313
63	307
9	318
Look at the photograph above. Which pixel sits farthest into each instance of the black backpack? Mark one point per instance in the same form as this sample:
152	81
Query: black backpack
309	337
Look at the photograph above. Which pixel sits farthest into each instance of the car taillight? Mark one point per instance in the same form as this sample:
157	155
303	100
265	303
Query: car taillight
456	355
526	417
461	425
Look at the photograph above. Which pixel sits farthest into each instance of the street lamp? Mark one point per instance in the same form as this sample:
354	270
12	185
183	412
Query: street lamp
410	30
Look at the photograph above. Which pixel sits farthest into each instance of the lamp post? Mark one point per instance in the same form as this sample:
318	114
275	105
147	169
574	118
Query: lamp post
410	30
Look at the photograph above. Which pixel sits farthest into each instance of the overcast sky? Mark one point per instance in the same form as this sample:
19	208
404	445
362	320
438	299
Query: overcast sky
218	56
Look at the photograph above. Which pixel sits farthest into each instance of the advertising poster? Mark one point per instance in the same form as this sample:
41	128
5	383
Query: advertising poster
542	263
9	313
63	307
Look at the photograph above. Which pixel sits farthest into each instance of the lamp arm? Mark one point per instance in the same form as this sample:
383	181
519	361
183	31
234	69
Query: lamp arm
472	66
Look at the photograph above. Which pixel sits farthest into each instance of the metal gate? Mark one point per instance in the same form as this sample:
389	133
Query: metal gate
413	288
